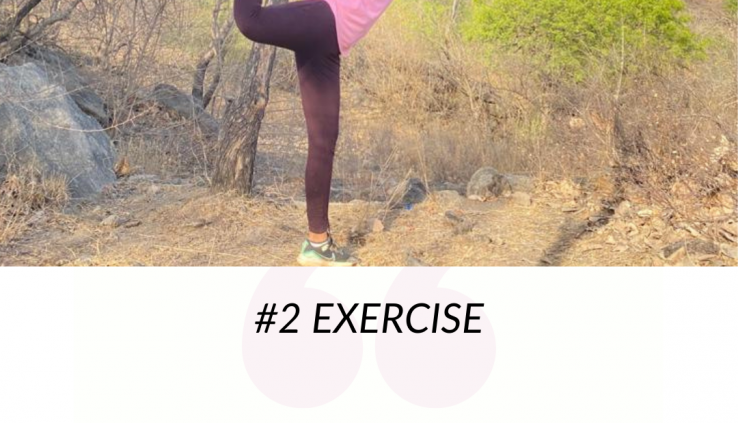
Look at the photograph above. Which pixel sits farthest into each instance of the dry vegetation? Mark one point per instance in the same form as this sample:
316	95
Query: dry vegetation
626	165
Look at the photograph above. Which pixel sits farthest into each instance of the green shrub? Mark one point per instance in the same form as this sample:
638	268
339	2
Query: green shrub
732	6
429	19
566	35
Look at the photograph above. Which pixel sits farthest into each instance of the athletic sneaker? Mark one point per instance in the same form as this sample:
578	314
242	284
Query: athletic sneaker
327	254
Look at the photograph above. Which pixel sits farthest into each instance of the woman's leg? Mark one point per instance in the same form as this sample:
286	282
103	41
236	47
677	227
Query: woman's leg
309	29
301	25
320	87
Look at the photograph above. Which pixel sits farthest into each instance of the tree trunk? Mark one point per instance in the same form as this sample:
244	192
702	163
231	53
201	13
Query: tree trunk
239	133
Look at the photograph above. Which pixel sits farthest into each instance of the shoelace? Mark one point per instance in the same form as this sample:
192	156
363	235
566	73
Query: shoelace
333	247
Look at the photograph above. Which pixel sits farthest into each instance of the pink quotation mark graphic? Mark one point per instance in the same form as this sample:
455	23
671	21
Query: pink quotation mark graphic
306	369
298	369
434	370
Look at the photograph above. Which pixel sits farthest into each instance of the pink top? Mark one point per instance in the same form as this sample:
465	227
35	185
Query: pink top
354	19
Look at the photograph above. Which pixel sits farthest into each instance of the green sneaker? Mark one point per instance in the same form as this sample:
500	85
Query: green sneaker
325	255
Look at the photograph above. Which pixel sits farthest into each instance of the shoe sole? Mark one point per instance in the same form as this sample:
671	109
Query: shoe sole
305	262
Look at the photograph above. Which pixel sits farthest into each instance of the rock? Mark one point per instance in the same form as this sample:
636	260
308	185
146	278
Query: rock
689	228
695	250
621	248
454	217
645	213
460	223
576	123
729	231
488	183
409	192
341	192
593	247
571	207
199	223
113	221
61	71
598	220
674	252
411	261
184	106
450	186
354	235
448	197
122	168
480	238
653	244
340	195
730	251
498	241
700	247
522	183
724	154
48	130
522	199
623	209
415	192
377	226
631	230
143	178
154	189
132	224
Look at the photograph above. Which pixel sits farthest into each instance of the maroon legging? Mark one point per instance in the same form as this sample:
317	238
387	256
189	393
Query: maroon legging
309	29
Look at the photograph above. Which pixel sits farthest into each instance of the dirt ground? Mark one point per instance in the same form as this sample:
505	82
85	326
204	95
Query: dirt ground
144	221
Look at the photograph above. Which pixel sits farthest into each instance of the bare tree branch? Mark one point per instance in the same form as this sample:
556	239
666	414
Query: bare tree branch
220	34
15	22
11	43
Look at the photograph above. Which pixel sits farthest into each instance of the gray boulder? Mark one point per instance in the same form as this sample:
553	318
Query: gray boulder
184	106
41	125
448	197
408	192
61	71
487	183
522	183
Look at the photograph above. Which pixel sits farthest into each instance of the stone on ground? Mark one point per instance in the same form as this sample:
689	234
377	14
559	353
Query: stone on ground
448	197
61	70
41	126
522	183
377	226
184	106
488	183
522	199
408	192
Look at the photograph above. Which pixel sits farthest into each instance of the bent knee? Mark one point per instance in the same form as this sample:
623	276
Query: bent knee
246	25
246	19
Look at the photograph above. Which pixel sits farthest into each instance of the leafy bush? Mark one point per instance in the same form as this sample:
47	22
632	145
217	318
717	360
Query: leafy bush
732	6
565	35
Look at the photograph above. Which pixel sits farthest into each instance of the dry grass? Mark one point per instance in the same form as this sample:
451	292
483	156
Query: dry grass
184	224
25	198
